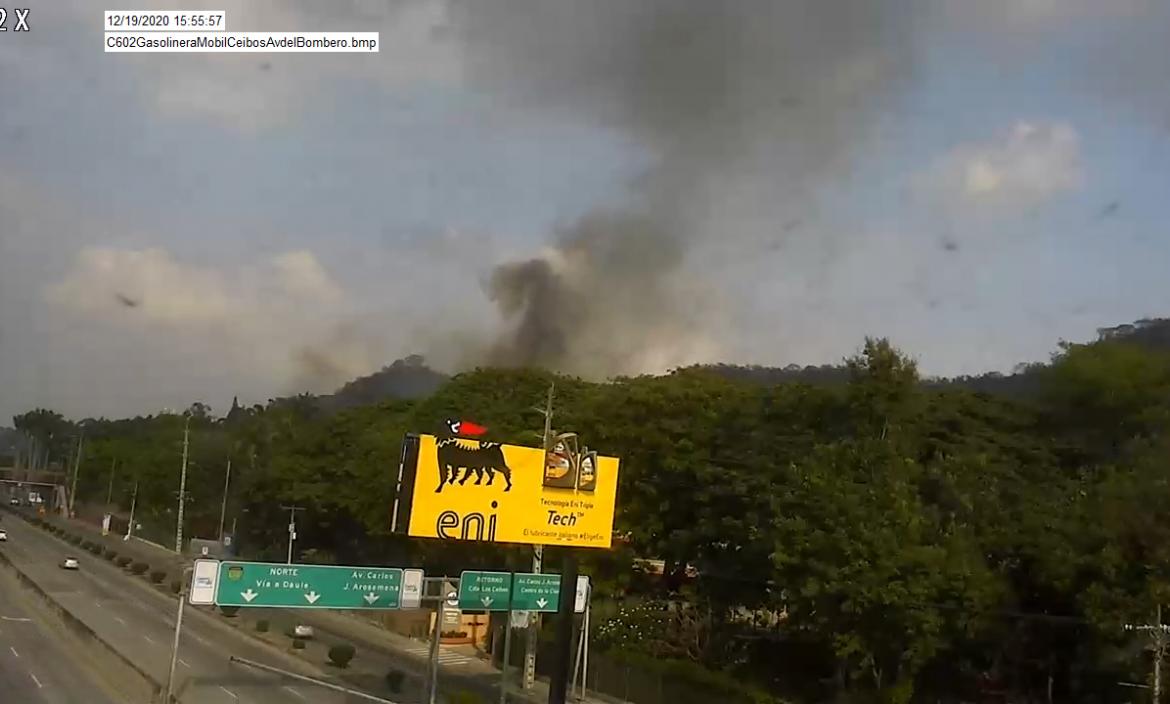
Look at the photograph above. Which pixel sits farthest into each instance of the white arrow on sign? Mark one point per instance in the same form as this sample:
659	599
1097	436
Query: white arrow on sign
312	597
370	598
541	602
487	601
249	595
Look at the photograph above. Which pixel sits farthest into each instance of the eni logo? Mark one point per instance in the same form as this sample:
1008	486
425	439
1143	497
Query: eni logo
478	456
473	526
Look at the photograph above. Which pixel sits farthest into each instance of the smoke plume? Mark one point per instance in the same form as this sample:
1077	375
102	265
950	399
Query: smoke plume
744	108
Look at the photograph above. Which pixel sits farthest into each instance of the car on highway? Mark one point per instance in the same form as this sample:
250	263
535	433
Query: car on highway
303	631
14	501
69	563
3	535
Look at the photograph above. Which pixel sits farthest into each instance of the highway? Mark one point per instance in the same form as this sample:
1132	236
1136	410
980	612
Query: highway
139	623
36	665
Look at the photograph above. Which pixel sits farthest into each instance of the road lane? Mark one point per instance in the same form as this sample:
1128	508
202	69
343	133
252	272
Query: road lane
36	667
140	625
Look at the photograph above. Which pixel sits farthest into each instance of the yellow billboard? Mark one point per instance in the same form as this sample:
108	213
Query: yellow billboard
456	488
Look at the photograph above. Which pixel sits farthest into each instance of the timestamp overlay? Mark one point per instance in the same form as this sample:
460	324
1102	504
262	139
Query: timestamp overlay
203	31
14	19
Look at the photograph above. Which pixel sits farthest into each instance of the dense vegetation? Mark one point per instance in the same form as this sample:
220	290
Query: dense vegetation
871	539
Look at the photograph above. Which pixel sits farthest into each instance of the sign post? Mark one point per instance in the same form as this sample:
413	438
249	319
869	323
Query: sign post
264	584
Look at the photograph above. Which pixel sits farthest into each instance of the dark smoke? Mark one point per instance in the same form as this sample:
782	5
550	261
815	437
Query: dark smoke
606	298
746	108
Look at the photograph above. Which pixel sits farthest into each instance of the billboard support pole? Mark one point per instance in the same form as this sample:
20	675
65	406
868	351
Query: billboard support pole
558	684
507	652
436	633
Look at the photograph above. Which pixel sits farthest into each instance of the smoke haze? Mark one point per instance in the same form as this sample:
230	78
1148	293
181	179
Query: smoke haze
745	108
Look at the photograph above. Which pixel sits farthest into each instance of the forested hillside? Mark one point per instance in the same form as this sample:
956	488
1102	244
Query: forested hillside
876	539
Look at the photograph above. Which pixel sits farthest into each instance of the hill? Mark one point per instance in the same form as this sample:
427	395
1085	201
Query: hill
407	378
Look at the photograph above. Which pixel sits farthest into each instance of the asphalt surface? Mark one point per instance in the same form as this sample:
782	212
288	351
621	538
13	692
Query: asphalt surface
36	667
140	625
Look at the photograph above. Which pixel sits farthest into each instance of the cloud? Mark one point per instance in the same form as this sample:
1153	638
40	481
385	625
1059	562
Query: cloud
276	318
1026	165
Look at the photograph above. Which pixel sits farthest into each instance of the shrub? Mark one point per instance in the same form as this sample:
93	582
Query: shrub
229	611
176	586
157	576
109	554
139	568
341	654
298	643
394	680
262	626
123	562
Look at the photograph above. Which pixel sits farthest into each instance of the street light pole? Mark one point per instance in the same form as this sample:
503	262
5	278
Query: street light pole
532	634
179	553
292	528
76	469
223	508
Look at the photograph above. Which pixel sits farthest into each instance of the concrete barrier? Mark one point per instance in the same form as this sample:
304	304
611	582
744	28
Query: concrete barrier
118	670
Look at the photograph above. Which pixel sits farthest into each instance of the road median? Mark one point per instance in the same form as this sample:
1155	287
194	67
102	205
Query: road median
116	670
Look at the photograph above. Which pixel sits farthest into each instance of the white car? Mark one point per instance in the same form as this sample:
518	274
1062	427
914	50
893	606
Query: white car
70	563
303	631
3	535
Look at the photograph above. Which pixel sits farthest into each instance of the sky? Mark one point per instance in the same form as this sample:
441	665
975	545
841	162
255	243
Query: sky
596	186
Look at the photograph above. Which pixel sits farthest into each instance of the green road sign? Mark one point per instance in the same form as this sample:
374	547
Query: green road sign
308	586
536	592
484	591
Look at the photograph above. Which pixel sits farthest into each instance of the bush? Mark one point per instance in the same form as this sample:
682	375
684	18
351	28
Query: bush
122	561
157	576
262	626
139	568
229	611
176	586
298	643
341	654
394	680
109	554
717	685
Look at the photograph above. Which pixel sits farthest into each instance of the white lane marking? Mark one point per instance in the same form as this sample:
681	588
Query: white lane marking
293	691
119	620
201	640
148	639
183	662
230	693
16	618
39	685
14	651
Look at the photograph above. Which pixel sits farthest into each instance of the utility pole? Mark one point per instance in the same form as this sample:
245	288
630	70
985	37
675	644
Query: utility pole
110	491
223	508
533	633
182	488
133	505
179	554
1158	643
292	528
76	469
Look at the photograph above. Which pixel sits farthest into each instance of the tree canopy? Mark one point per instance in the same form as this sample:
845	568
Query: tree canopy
875	537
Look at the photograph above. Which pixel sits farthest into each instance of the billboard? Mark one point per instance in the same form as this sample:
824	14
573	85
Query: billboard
457	488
